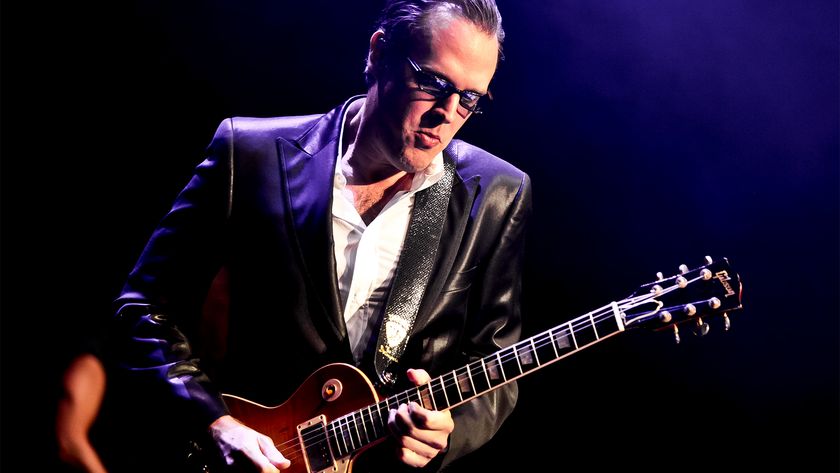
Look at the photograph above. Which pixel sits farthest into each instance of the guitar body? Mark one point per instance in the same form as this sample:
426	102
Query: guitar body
332	391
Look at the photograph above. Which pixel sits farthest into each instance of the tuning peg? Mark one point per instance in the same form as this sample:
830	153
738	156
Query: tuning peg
659	276
726	323
665	316
701	329
676	334
709	259
714	302
683	269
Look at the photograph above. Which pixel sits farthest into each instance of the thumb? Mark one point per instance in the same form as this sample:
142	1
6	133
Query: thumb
270	451
418	377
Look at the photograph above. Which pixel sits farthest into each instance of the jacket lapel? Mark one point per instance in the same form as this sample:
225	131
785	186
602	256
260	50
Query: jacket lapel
308	165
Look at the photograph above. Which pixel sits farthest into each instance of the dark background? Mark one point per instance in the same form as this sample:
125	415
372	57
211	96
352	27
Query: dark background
655	133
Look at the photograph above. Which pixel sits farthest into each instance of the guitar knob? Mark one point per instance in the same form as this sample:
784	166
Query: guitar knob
701	329
726	323
683	269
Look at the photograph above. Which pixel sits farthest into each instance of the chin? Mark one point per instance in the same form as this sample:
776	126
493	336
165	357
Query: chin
416	160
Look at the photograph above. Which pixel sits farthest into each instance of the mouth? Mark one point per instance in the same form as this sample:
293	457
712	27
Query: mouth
427	139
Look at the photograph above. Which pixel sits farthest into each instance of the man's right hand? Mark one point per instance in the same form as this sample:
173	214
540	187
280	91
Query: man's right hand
239	443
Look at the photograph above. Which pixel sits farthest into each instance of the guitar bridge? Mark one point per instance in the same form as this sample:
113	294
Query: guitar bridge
312	435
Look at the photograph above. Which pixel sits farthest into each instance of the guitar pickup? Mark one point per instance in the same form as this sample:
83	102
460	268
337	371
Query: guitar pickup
312	436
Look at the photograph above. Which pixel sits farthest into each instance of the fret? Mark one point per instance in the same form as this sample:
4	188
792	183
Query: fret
402	398
372	423
572	333
412	395
428	399
486	376
450	388
457	385
594	327
361	420
356	429
584	331
482	383
496	375
464	383
469	375
350	433
443	390
534	351
391	402
526	356
334	441
544	348
343	436
418	398
438	394
382	421
510	363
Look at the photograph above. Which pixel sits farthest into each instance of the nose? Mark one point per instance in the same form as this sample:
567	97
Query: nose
448	106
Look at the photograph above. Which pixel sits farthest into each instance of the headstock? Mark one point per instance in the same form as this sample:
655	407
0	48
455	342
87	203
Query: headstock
686	298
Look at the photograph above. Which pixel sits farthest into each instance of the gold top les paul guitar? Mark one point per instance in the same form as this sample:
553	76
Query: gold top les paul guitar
336	413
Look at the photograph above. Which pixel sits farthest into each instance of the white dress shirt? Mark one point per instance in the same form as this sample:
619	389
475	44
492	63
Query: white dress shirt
366	256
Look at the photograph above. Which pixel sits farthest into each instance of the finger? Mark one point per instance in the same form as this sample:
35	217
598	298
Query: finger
399	421
270	451
419	447
418	377
260	461
430	420
412	458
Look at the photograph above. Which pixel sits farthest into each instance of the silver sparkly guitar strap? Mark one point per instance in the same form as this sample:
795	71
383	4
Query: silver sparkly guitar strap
412	273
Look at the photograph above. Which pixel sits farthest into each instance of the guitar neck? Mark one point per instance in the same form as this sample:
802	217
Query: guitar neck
360	428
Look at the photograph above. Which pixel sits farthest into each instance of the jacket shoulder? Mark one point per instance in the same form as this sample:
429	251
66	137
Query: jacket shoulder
268	128
470	161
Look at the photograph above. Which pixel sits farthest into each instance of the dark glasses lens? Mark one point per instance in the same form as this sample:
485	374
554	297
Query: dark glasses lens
440	88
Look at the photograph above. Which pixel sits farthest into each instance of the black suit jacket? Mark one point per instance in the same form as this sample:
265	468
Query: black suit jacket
259	206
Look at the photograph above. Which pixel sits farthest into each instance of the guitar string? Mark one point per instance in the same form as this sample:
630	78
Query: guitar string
320	436
540	340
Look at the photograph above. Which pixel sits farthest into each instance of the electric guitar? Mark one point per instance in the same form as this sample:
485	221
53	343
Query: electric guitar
336	414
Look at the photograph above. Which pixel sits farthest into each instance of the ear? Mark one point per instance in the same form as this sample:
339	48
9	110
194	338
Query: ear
375	53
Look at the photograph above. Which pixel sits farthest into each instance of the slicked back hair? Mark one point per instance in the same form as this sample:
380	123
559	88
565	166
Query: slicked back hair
404	22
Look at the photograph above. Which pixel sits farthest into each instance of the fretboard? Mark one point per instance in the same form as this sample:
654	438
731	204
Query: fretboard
364	426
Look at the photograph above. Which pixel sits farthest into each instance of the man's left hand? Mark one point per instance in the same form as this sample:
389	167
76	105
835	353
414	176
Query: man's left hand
420	433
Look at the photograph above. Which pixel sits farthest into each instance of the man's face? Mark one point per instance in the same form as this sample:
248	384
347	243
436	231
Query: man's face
416	126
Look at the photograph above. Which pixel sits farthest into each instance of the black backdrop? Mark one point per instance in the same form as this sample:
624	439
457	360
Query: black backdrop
655	133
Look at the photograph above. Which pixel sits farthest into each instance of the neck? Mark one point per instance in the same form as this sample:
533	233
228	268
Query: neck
365	157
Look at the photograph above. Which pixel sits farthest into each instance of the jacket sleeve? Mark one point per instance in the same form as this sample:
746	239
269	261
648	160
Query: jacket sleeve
163	295
496	325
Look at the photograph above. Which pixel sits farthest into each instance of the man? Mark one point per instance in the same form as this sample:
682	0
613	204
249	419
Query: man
317	230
